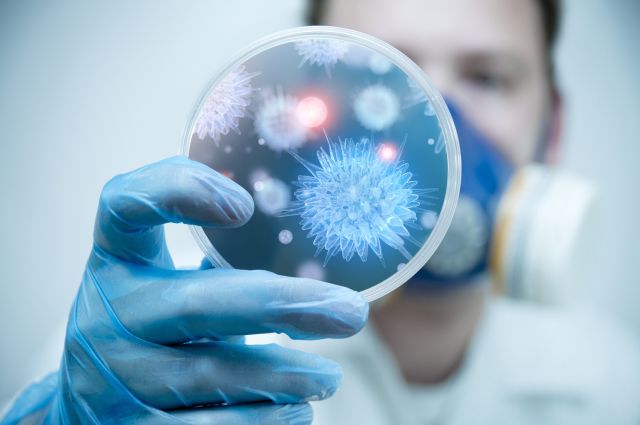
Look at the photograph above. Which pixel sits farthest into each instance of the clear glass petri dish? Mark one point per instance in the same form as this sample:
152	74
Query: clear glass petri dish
348	150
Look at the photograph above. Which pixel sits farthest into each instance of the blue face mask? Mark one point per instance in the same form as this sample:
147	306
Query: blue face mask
463	254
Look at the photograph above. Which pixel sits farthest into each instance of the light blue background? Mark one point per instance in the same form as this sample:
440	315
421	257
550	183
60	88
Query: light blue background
91	89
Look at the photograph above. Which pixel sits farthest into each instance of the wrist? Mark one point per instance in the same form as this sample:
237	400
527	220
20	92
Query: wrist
33	405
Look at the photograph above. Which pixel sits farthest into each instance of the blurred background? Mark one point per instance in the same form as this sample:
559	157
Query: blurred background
89	90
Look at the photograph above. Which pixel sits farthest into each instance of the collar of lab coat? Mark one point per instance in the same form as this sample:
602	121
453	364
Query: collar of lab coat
518	349
525	361
534	351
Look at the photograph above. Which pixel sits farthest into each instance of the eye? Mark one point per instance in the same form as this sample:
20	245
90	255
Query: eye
487	80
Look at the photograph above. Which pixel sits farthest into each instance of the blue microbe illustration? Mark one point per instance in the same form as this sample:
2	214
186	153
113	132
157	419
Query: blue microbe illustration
321	52
360	194
226	104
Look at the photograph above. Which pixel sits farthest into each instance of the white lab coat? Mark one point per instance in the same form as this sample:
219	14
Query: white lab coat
526	365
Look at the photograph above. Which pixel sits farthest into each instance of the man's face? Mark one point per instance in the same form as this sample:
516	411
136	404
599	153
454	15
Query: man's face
488	56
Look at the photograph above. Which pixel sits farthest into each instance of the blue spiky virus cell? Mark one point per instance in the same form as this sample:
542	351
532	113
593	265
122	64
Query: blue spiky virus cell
377	107
277	123
226	105
355	199
321	52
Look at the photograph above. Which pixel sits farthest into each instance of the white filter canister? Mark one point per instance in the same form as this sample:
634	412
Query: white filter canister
546	228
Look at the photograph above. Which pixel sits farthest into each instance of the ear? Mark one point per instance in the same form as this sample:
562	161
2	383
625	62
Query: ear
555	129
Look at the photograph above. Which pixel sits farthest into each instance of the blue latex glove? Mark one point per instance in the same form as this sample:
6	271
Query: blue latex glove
150	344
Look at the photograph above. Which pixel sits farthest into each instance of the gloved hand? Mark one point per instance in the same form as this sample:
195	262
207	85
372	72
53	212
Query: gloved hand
150	344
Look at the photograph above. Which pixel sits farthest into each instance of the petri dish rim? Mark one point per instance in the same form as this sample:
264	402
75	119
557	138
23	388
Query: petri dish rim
452	147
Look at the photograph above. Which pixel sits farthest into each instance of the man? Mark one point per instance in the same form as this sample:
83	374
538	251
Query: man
457	355
450	356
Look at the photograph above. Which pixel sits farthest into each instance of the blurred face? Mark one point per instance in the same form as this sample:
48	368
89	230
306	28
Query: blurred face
488	56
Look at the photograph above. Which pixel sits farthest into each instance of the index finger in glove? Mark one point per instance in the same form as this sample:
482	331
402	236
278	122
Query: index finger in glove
175	190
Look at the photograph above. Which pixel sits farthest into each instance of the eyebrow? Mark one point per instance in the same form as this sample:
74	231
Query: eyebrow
504	59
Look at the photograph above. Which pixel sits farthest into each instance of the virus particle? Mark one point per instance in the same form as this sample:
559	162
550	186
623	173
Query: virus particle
379	64
357	56
271	195
259	174
465	242
354	200
417	96
321	52
311	270
226	104
277	122
377	107
285	237
438	145
428	219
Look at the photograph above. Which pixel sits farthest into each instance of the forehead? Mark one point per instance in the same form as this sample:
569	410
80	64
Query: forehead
427	27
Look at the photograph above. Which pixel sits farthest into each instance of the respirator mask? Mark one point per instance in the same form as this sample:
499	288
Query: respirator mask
527	228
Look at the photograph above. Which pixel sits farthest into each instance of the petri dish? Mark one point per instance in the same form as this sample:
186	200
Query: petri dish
348	150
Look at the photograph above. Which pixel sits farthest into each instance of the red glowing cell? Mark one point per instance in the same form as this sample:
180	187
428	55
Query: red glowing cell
227	173
388	152
311	111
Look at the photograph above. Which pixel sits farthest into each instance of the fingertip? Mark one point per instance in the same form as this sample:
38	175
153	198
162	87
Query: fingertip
313	377
331	380
295	414
314	309
361	312
352	311
246	200
236	202
230	204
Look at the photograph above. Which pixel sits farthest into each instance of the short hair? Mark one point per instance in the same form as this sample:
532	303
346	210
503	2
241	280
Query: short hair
551	12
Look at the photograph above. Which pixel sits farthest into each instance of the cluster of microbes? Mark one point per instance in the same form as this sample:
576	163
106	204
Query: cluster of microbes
360	195
285	121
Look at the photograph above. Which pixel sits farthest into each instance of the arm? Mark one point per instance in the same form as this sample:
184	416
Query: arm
146	343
